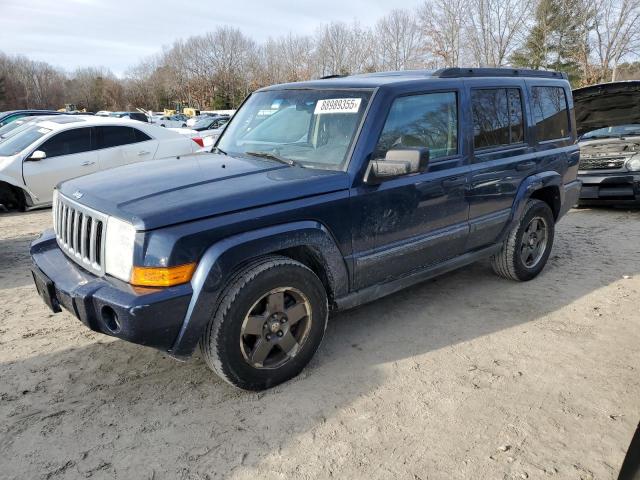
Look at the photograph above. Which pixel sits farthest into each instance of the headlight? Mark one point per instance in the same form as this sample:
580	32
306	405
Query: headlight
120	241
633	163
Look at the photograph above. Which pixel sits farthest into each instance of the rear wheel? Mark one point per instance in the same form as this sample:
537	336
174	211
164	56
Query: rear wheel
526	250
268	324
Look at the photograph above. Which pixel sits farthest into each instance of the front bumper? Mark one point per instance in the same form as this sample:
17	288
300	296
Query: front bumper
610	189
146	316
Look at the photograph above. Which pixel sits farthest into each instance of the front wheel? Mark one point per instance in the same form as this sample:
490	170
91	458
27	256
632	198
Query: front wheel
525	251
268	323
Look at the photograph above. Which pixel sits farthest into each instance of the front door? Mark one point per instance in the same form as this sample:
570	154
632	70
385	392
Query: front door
69	153
417	220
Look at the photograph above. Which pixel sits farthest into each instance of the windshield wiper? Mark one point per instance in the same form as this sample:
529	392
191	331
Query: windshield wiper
271	156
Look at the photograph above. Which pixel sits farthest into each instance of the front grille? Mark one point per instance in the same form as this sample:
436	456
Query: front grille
80	232
601	163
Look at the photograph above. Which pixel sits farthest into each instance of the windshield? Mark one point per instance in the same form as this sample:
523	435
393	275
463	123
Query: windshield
19	142
11	129
203	124
313	128
614	132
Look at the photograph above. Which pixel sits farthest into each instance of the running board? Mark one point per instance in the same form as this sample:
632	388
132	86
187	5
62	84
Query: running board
380	290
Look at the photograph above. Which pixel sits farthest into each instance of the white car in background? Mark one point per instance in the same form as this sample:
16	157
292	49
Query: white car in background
206	131
46	152
173	121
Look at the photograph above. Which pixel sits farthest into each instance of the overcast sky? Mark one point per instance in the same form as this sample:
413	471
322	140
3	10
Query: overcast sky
118	33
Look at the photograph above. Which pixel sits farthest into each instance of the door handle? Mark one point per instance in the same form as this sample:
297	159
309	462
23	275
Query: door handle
143	152
454	182
525	166
87	163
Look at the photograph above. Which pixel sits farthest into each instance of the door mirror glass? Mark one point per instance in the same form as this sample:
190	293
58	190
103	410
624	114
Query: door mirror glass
37	156
398	162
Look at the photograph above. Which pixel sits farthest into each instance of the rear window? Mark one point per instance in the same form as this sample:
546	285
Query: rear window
550	112
497	117
115	136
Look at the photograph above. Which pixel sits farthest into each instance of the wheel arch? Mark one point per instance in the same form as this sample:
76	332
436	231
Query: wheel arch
308	242
545	186
9	192
551	196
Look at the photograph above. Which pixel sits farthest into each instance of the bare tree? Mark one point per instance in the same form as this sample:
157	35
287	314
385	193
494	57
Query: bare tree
442	24
399	41
616	33
495	29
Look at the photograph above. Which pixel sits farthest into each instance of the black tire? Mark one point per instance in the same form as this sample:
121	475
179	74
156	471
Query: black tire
12	198
226	350
509	262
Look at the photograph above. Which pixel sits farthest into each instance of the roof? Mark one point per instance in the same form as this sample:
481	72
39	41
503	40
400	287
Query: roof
58	122
377	79
30	110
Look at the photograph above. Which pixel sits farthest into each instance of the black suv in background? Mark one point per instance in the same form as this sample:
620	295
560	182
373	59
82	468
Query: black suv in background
319	196
608	124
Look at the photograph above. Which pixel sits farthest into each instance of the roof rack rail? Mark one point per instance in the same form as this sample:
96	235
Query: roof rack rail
496	72
336	75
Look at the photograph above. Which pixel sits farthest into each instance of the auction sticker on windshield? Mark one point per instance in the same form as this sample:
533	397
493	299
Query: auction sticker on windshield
338	105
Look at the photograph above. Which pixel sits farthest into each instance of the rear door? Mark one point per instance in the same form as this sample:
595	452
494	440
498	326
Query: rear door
121	145
70	154
503	155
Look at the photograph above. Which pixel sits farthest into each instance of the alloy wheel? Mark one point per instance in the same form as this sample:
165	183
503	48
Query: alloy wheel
275	328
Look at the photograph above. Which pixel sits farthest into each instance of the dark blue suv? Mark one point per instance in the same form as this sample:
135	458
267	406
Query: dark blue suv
318	197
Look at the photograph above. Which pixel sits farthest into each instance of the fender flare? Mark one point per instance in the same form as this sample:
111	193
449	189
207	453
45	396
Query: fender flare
530	185
224	257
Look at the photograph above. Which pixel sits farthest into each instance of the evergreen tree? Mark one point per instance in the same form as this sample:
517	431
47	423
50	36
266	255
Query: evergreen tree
558	39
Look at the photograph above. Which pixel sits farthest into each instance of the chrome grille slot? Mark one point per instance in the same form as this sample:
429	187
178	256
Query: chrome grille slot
80	233
601	163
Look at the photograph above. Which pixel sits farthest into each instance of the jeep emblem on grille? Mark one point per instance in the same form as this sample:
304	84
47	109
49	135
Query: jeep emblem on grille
77	194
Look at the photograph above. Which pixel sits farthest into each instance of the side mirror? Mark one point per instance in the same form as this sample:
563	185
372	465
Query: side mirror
37	156
397	162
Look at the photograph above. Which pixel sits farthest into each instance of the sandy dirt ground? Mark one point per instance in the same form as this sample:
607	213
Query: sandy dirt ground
465	377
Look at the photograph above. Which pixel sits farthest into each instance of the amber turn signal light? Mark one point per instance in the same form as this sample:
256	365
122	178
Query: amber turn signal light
162	276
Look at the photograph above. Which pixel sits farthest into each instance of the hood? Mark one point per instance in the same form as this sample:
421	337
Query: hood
607	105
610	146
158	193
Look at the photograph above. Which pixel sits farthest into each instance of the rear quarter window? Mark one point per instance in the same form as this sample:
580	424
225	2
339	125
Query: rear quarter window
551	115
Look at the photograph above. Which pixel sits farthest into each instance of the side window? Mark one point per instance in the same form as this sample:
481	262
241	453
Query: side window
140	135
497	117
428	120
69	142
550	111
116	136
